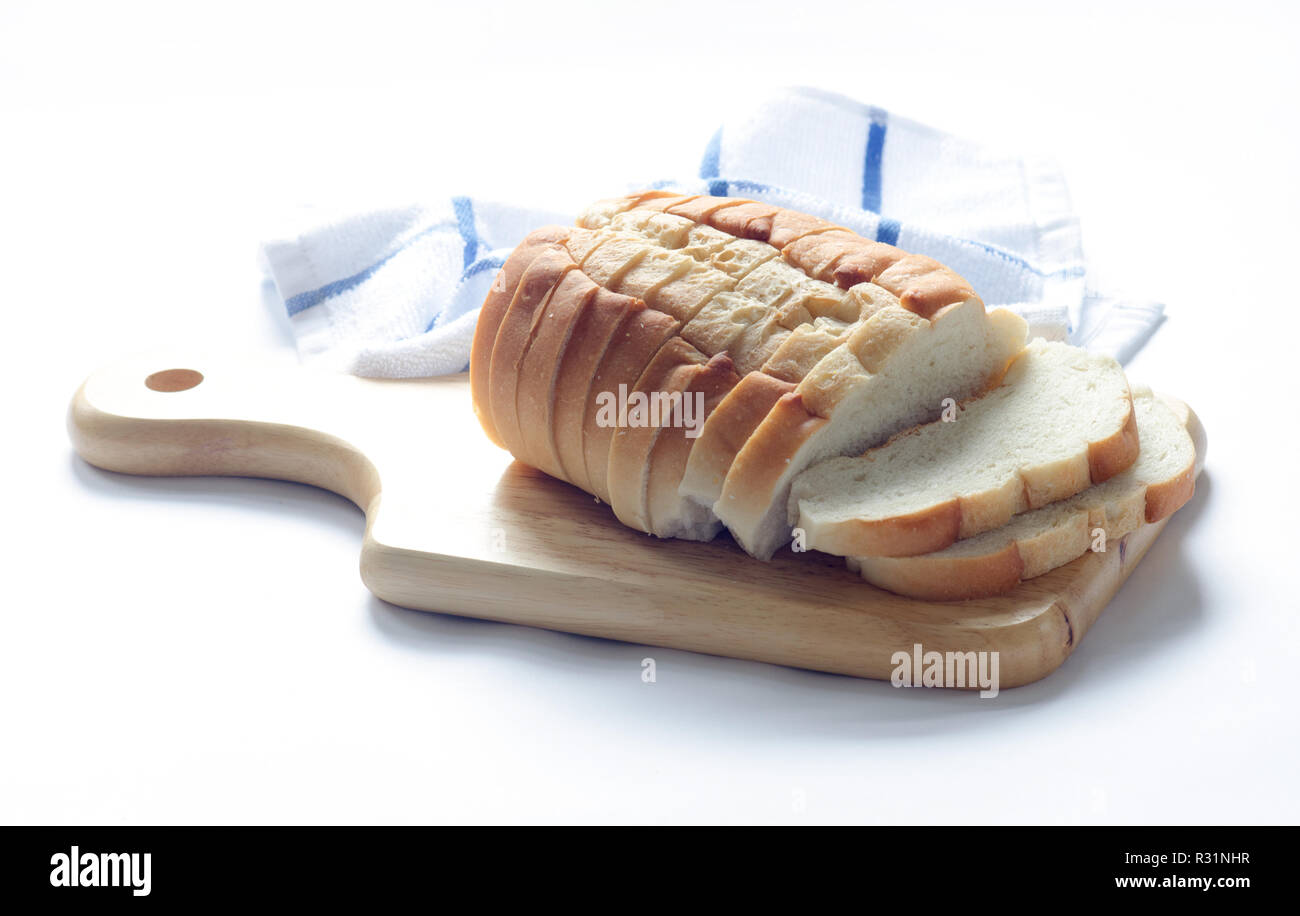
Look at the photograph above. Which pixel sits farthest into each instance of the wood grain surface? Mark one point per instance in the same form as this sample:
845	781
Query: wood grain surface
454	525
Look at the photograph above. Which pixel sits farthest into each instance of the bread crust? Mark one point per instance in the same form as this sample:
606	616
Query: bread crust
748	220
593	332
1167	497
925	531
745	498
832	253
633	346
539	371
956	579
669	511
1116	453
671	371
533	294
494	309
726	431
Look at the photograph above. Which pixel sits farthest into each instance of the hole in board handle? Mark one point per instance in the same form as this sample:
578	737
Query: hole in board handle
173	380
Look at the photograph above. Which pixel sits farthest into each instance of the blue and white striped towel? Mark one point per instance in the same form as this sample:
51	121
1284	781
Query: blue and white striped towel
395	293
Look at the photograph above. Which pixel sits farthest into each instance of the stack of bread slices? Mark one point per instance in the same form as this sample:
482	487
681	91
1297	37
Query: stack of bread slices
708	362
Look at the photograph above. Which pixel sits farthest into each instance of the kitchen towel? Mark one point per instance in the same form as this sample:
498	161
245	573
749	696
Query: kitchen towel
395	292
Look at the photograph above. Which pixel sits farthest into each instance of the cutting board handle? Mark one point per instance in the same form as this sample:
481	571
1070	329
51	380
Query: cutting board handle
170	415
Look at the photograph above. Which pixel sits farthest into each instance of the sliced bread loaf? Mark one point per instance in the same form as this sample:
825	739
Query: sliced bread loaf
1061	420
1156	485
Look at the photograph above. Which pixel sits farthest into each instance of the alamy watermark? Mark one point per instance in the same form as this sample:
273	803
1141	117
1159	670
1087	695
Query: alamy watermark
102	869
640	409
946	669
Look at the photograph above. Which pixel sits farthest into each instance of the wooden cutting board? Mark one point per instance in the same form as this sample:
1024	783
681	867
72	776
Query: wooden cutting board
454	525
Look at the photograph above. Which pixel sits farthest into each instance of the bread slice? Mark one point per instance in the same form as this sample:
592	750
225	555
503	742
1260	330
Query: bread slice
582	242
893	372
725	432
671	513
630	351
614	257
657	268
720	324
638	420
533	294
758	343
494	309
594	329
805	347
1061	420
539	371
1156	485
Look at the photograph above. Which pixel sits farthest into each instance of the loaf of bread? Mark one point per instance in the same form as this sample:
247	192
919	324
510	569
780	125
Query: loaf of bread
700	362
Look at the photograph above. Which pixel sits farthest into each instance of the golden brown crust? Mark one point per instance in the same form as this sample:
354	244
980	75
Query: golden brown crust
593	333
926	531
790	226
701	209
726	431
749	220
832	253
922	284
539	280
539	371
661	200
760	463
634	344
494	309
1115	453
955	579
672	451
1164	499
671	370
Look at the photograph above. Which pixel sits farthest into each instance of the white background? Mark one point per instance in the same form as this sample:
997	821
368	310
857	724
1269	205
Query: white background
204	650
